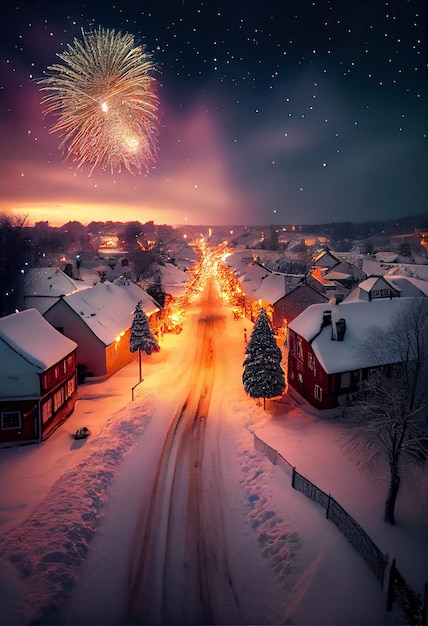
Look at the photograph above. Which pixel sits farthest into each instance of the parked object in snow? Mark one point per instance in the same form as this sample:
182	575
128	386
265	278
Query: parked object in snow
82	433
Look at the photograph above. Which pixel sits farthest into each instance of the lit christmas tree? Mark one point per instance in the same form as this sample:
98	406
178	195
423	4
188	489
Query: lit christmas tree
263	376
142	337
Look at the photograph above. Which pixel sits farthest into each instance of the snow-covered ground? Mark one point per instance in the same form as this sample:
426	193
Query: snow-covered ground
68	508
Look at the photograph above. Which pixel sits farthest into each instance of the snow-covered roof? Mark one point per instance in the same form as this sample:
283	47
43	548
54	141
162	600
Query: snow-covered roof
372	282
404	286
137	293
173	279
48	281
345	355
325	258
334	275
372	268
408	269
28	336
272	287
386	257
259	283
108	308
409	287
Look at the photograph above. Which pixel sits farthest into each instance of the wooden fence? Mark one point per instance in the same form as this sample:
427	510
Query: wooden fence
413	605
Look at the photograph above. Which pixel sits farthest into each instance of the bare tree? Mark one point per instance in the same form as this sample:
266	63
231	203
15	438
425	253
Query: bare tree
389	416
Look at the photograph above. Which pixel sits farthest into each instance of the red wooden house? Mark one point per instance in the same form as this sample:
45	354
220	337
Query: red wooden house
326	361
37	378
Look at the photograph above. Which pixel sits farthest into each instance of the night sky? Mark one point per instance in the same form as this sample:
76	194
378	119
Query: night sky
271	112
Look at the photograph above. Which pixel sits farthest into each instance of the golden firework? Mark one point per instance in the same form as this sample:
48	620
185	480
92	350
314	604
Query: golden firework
104	101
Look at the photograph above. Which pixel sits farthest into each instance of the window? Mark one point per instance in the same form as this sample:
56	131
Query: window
381	293
300	378
10	419
45	381
71	386
318	393
67	365
46	410
310	360
58	399
299	347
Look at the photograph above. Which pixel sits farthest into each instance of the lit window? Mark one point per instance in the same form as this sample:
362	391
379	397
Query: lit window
46	410
71	387
58	399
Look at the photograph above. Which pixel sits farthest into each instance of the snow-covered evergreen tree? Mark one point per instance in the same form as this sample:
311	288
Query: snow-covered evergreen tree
263	376
142	337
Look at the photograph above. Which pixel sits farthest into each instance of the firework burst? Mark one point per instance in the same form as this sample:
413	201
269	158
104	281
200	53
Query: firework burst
104	102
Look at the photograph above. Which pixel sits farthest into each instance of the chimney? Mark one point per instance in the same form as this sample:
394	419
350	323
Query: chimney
340	329
326	319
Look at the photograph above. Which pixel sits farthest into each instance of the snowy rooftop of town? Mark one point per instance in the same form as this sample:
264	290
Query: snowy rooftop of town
108	308
409	286
347	355
173	279
372	268
48	281
335	275
27	335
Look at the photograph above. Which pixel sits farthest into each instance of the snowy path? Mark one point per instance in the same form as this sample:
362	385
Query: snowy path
174	568
187	563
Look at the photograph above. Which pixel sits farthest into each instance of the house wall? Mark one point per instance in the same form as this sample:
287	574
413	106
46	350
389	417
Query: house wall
118	354
91	351
41	303
306	375
25	420
58	373
52	412
28	430
58	386
311	381
16	371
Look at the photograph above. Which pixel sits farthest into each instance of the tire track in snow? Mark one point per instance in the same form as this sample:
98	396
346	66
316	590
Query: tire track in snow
170	572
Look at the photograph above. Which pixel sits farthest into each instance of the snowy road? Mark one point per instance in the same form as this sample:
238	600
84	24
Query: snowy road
180	572
192	554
